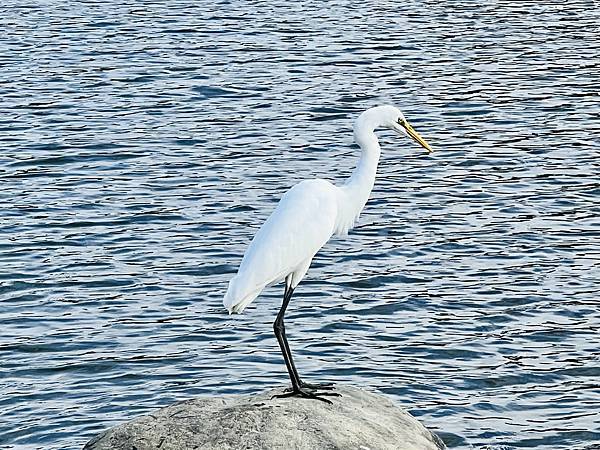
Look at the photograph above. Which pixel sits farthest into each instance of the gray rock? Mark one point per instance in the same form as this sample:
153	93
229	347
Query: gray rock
359	419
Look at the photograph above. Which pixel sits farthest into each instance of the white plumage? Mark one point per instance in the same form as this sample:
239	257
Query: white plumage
309	214
302	223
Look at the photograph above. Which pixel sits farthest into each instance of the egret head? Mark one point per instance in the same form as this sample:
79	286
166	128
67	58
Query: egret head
400	125
391	117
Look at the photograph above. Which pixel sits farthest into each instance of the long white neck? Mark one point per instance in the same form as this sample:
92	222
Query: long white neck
355	192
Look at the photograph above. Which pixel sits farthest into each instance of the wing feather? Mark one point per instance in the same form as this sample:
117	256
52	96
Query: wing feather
300	225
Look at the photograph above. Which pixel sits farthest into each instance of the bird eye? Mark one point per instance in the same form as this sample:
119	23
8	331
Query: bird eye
402	122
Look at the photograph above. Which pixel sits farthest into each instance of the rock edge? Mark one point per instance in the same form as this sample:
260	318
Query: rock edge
359	419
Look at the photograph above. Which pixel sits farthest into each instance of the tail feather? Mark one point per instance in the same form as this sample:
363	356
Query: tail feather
237	299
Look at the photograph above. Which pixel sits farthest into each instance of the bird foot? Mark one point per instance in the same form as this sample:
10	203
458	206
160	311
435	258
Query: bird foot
305	392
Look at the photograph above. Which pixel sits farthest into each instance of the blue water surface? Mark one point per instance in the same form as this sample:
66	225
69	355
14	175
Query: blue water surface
143	143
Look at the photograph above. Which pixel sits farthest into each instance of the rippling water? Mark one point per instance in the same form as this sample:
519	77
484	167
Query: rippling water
142	146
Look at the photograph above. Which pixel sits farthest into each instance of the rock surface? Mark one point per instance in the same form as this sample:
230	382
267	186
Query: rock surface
359	419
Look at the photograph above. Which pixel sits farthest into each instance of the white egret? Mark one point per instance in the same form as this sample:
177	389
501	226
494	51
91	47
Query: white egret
305	218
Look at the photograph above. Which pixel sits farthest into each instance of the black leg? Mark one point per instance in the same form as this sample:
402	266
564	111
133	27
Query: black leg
299	388
279	329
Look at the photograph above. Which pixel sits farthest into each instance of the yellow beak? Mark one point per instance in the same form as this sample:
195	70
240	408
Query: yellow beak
417	137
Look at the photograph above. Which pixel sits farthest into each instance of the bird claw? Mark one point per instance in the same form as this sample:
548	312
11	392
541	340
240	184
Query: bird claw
304	392
313	386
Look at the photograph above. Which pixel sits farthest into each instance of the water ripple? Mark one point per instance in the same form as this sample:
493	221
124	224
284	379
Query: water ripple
143	145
